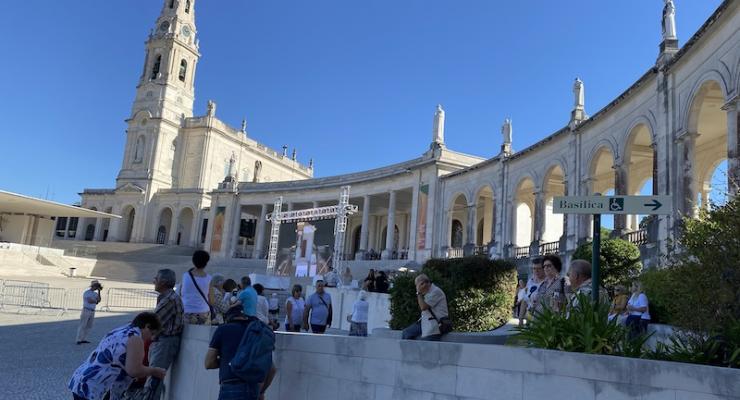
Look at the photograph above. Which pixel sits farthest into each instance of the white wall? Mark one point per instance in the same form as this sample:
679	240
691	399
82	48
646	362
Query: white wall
330	367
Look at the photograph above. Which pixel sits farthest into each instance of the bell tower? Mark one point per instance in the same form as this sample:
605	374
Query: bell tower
164	98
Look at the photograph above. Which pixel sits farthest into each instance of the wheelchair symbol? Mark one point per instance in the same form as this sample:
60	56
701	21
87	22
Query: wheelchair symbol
616	204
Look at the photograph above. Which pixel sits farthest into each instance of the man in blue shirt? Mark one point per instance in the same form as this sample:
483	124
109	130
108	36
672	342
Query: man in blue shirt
221	351
319	307
248	297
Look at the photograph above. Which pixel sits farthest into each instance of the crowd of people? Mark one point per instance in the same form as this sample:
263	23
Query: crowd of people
131	361
548	287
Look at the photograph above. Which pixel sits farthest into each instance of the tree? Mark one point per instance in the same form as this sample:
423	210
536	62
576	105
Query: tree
619	261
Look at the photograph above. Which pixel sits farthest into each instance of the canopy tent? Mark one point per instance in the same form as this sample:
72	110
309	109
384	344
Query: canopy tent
14	203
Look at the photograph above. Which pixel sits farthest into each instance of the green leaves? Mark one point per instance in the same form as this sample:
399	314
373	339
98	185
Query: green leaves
619	260
586	330
480	293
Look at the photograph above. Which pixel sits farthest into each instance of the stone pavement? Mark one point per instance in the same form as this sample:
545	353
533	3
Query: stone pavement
38	352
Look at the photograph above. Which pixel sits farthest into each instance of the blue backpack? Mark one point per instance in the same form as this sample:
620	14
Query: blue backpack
253	358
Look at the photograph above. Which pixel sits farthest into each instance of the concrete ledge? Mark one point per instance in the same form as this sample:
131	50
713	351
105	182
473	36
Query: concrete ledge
340	367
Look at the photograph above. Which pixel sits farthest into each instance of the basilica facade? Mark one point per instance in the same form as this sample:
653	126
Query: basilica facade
666	134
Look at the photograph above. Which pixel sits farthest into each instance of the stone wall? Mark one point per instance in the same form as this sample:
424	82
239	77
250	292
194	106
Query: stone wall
335	367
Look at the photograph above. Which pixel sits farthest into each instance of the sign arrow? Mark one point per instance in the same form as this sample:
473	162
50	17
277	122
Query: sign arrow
655	204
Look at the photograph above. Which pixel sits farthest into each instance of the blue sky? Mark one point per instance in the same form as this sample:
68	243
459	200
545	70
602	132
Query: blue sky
352	85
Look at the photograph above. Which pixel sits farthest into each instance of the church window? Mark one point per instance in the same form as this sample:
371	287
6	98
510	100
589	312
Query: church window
155	68
187	6
139	151
183	70
172	3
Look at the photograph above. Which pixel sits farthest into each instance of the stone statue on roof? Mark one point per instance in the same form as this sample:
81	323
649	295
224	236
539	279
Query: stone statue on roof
211	108
669	20
232	162
438	128
506	131
578	94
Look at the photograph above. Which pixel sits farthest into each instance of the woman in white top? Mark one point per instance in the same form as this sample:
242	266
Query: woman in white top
358	318
294	307
196	309
638	309
263	307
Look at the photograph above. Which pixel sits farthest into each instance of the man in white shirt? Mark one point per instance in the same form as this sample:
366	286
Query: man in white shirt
433	305
90	300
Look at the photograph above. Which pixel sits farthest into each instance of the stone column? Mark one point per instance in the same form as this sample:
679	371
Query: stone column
98	236
539	220
173	228
81	228
413	223
686	157
233	232
259	242
391	224
584	231
469	246
365	228
114	226
620	188
654	146
733	146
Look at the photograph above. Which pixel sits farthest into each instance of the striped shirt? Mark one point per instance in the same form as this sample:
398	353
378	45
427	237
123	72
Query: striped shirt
169	309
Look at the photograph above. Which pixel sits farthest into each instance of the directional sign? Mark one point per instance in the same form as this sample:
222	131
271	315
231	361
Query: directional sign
638	205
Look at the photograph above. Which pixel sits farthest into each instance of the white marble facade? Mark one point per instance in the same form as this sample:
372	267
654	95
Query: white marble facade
666	134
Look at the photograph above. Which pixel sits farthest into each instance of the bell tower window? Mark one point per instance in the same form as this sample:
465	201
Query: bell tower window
155	68
183	70
187	6
172	3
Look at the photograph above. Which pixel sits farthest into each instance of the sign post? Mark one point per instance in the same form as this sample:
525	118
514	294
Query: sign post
597	205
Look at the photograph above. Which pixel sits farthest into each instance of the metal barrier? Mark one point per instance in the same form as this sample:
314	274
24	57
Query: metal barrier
521	252
131	299
18	295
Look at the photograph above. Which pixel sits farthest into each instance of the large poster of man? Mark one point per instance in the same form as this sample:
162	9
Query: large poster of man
305	248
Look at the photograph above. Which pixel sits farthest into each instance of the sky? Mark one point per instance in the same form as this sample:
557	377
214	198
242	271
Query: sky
353	85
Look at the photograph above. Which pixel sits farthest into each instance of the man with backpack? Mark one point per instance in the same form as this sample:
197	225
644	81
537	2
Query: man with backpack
242	351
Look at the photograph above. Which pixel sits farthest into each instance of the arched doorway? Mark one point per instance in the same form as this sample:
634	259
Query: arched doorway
458	214
553	225
165	221
602	181
184	227
395	238
89	232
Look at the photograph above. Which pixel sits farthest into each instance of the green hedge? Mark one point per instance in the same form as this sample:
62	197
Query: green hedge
480	292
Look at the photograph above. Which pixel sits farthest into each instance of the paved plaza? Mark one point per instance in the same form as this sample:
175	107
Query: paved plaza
39	354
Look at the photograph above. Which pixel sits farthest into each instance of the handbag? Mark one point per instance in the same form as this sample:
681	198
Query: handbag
210	307
445	323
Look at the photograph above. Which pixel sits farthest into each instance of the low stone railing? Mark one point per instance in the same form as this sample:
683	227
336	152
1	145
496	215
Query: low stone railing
341	367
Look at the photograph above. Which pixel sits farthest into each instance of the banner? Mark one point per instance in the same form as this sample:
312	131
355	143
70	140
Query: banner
421	212
218	229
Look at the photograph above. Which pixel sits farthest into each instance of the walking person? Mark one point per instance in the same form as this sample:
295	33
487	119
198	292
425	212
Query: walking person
358	318
166	344
90	300
318	307
117	361
294	307
194	291
433	306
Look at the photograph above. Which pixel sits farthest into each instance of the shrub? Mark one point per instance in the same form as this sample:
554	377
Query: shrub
620	261
586	330
659	289
480	292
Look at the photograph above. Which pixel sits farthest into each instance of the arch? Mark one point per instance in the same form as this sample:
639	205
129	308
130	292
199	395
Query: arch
139	149
706	145
689	122
183	70
156	67
485	215
458	211
553	185
524	198
184	226
163	227
600	170
456	234
127	225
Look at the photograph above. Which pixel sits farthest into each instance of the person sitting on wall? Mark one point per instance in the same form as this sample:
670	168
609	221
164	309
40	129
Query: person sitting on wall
433	306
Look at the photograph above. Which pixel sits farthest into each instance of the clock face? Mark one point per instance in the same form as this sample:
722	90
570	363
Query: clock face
185	31
164	26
